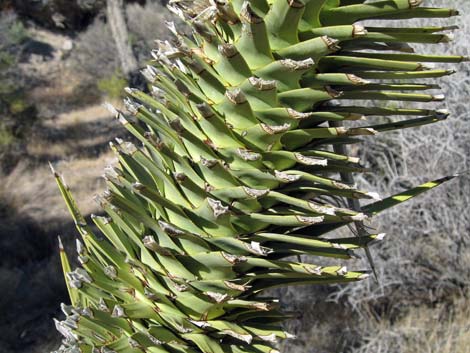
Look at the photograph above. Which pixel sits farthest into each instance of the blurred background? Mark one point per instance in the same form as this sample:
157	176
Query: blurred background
61	59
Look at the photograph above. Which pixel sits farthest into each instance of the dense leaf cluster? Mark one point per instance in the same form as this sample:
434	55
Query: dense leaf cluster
243	166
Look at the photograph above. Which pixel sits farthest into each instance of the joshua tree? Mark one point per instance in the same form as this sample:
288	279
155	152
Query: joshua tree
244	166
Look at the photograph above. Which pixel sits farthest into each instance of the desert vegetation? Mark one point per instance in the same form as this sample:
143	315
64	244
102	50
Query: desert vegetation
64	68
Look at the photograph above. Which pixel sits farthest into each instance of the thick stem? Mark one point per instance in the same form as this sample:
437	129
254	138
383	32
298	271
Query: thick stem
117	23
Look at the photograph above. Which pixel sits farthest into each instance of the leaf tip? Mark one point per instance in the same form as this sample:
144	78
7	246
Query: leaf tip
61	245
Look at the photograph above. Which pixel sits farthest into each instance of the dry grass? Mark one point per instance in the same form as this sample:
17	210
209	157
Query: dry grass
73	133
444	329
88	114
323	327
33	214
319	326
33	193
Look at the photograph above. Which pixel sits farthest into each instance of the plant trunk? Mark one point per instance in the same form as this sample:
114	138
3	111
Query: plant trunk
116	19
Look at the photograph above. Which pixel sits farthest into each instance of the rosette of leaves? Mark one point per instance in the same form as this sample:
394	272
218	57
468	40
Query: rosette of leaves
242	166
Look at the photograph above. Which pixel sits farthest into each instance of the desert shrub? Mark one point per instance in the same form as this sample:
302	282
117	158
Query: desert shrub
94	56
17	114
12	36
94	59
146	23
6	137
113	86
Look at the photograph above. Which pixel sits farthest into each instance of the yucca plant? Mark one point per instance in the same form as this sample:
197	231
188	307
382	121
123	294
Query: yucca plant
243	168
